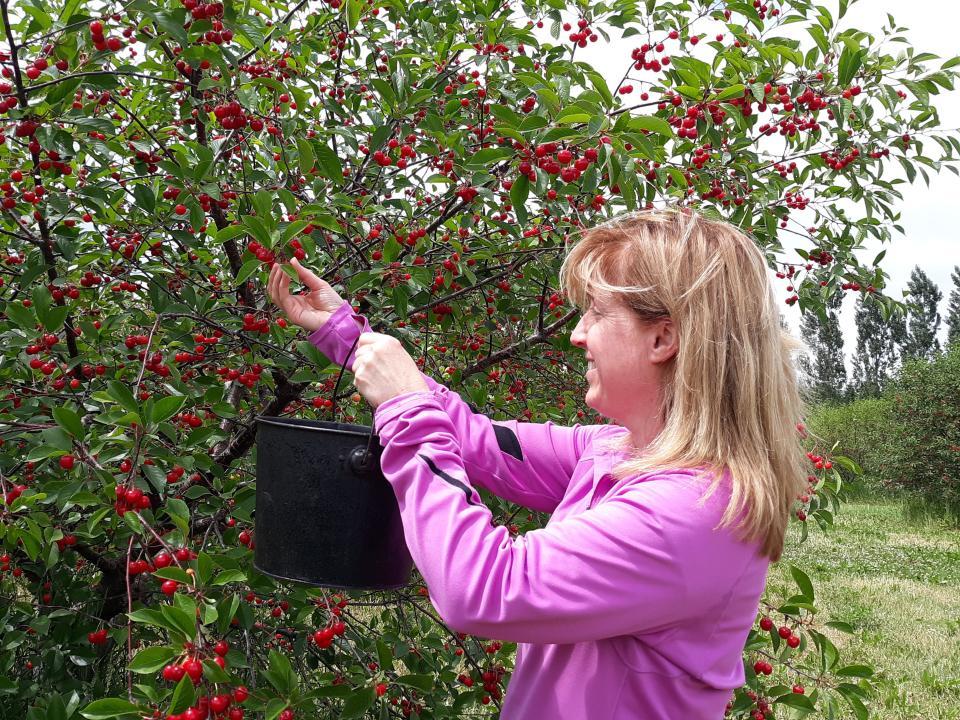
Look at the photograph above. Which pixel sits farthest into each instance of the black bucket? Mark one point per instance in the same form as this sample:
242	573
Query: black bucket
325	514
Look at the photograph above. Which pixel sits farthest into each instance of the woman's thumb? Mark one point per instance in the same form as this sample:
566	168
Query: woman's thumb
307	277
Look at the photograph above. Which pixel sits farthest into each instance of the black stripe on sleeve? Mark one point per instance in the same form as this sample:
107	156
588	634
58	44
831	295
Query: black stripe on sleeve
449	478
508	442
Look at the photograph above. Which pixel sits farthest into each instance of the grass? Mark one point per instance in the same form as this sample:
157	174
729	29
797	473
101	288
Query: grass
897	582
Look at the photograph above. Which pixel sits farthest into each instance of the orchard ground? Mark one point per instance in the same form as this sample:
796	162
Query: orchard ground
895	580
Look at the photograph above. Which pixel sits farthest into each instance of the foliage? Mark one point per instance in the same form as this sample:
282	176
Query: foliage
825	376
926	419
953	309
433	159
862	430
876	356
923	318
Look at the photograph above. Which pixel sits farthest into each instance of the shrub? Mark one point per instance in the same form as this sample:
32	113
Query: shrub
925	402
862	431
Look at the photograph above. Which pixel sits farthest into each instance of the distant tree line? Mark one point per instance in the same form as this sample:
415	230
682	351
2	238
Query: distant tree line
886	338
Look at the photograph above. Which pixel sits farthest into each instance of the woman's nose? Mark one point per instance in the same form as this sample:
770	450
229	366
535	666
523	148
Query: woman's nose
578	337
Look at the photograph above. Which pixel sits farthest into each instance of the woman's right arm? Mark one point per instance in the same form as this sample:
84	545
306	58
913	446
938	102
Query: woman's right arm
526	463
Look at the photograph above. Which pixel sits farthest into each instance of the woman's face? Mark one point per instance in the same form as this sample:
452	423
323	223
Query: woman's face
625	359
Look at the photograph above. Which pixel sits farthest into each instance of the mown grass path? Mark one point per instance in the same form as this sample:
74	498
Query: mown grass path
898	583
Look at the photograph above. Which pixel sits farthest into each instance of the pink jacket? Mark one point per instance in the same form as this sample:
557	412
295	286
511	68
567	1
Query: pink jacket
626	606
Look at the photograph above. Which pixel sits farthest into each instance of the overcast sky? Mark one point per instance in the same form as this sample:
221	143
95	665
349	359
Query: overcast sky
928	215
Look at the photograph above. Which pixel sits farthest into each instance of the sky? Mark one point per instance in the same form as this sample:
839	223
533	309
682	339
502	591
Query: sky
928	215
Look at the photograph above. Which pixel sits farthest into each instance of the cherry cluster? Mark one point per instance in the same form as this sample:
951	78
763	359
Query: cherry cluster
99	42
129	498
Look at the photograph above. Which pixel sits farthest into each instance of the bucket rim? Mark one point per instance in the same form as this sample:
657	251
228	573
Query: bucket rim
314	583
326	426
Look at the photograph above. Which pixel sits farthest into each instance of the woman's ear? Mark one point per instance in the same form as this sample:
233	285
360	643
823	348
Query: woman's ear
666	340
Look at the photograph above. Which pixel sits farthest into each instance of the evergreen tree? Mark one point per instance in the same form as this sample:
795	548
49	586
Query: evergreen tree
825	374
953	309
923	320
875	358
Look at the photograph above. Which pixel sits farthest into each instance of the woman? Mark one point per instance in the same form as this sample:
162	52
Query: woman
636	599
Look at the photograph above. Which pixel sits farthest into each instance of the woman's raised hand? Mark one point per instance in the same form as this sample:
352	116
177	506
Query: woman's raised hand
310	310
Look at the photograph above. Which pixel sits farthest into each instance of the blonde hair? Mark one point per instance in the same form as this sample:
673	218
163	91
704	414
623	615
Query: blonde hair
730	396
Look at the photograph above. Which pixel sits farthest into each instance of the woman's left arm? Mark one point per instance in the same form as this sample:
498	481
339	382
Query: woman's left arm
611	570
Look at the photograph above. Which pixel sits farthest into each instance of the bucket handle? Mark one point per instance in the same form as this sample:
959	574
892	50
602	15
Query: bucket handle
355	462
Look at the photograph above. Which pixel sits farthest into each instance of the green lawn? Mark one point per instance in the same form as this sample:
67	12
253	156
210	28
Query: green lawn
898	583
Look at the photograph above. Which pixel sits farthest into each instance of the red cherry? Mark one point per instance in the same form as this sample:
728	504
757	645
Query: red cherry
162	559
169	587
173	673
793	641
785	632
96	28
240	693
219	703
66	462
221	648
766	623
324	637
180	209
193	668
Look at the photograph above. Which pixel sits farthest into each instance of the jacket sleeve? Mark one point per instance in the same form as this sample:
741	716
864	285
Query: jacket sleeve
608	571
526	463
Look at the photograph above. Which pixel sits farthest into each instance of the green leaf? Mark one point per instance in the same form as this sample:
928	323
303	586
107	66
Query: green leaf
793	700
42	300
55	317
167	407
274	707
145	197
122	395
651	123
204	568
256	227
354	7
357	704
226	611
518	197
110	708
331	166
172	573
861	671
22	316
420	682
505	114
841	626
248	269
305	155
69	421
181	619
730	92
384	656
600	85
280	674
486	157
803	582
152	659
184	696
214	673
850	62
180	514
229	576
849	694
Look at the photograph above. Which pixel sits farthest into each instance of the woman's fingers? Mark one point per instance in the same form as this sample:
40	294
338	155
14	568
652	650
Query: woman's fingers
306	276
